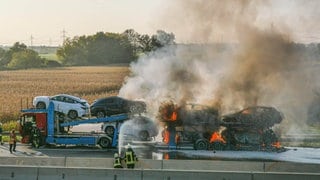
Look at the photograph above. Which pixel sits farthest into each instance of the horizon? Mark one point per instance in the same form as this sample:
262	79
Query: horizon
48	23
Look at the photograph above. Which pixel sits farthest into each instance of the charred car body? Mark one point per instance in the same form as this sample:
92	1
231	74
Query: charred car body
248	129
191	123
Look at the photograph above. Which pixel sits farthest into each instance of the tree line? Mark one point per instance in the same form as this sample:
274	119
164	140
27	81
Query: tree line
102	48
105	48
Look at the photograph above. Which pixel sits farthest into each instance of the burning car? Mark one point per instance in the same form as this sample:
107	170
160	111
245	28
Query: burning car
191	123
250	129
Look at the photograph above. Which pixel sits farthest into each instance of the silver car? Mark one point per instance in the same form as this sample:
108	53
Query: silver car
137	127
72	106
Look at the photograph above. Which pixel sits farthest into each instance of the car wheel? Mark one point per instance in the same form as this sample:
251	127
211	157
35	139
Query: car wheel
144	135
201	144
72	114
41	105
133	109
109	130
100	114
104	142
140	109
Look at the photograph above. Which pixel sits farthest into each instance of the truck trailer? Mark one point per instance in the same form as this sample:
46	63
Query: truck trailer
48	127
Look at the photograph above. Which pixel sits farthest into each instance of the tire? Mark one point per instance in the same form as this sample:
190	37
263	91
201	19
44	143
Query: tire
201	144
109	130
104	142
144	135
100	114
133	109
72	114
218	146
140	109
41	105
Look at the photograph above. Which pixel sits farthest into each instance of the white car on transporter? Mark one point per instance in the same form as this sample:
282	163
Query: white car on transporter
72	106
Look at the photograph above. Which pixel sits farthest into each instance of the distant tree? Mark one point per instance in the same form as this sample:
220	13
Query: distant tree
99	49
134	39
19	56
7	56
24	59
2	54
105	48
73	51
2	51
157	41
163	38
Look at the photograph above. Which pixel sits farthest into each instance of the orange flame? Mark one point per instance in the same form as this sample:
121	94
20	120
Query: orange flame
276	145
247	111
166	156
216	137
174	116
165	136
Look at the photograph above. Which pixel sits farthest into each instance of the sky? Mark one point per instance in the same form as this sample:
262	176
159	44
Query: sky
44	22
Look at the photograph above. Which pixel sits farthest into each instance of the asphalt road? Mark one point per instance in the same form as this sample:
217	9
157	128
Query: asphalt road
293	154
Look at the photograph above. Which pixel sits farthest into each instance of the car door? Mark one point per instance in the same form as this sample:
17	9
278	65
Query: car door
59	104
64	103
112	105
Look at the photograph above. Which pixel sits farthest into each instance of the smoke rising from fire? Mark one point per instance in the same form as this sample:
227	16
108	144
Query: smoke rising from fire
240	64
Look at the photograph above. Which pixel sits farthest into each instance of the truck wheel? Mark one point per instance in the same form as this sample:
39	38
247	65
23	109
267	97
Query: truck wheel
219	146
72	114
41	105
109	130
201	144
143	135
104	142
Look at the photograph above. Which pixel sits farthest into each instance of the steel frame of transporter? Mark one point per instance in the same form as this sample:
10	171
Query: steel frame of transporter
43	126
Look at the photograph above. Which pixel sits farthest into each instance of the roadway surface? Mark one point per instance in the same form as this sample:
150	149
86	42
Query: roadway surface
293	154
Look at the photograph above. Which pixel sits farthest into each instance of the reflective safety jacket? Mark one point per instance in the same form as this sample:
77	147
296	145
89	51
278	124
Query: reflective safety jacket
130	157
117	162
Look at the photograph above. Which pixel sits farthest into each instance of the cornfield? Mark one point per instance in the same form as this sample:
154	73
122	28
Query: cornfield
17	88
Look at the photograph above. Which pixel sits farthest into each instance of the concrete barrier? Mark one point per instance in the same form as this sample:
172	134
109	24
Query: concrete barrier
18	172
209	165
184	175
88	173
286	176
213	165
65	173
291	167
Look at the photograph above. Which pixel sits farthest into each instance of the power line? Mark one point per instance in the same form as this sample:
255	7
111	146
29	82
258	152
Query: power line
64	32
31	41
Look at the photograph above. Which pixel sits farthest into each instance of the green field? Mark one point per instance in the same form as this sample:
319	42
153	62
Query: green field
51	56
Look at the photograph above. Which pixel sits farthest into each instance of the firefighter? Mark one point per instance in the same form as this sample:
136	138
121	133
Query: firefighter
35	135
117	161
130	157
12	141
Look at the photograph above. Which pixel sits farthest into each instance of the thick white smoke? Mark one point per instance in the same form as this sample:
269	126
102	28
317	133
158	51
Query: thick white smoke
261	68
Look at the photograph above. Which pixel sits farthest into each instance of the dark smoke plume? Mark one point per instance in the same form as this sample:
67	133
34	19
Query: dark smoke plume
245	60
